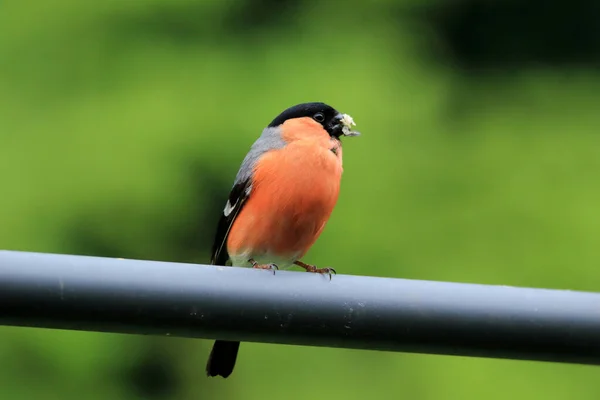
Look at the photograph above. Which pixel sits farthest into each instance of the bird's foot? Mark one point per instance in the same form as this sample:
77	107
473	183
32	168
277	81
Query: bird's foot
314	269
271	267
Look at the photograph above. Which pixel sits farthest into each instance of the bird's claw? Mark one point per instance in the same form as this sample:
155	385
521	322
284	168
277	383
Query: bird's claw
314	269
272	266
326	270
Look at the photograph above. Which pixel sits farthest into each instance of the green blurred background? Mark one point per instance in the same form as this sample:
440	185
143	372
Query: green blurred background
123	123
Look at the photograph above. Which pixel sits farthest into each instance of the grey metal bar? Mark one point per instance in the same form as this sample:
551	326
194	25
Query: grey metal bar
163	298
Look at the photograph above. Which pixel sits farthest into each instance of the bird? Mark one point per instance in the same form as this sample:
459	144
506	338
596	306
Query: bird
283	195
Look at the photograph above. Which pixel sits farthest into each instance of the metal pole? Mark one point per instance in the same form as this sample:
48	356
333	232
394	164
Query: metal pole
147	297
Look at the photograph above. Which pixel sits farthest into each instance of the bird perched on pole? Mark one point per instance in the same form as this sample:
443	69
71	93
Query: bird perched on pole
282	197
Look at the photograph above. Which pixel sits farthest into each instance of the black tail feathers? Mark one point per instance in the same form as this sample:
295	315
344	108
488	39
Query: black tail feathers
222	358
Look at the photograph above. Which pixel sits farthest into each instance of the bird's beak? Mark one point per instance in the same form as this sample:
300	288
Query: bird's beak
346	122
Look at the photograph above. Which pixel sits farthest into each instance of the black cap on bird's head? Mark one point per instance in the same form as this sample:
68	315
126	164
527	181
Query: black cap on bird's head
333	121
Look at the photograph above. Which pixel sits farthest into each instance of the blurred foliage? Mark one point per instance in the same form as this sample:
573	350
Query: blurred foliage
122	125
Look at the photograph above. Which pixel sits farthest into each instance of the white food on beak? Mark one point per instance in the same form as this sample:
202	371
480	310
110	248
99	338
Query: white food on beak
348	121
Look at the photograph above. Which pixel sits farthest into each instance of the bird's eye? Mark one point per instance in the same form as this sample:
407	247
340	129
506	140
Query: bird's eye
319	117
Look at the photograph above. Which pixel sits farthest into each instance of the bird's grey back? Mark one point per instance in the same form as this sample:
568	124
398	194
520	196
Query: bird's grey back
270	139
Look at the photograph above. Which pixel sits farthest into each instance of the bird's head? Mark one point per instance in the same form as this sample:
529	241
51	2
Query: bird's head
335	123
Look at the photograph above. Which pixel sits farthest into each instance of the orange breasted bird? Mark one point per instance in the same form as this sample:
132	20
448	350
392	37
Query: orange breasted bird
282	197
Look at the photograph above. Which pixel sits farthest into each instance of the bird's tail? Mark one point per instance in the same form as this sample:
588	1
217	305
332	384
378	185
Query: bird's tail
222	358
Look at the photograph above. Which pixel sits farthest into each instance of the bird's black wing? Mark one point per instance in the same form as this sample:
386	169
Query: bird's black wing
223	355
237	198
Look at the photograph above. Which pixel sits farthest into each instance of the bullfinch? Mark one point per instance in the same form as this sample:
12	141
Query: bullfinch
282	197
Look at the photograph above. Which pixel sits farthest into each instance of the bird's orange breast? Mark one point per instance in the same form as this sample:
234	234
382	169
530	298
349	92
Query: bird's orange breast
294	191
